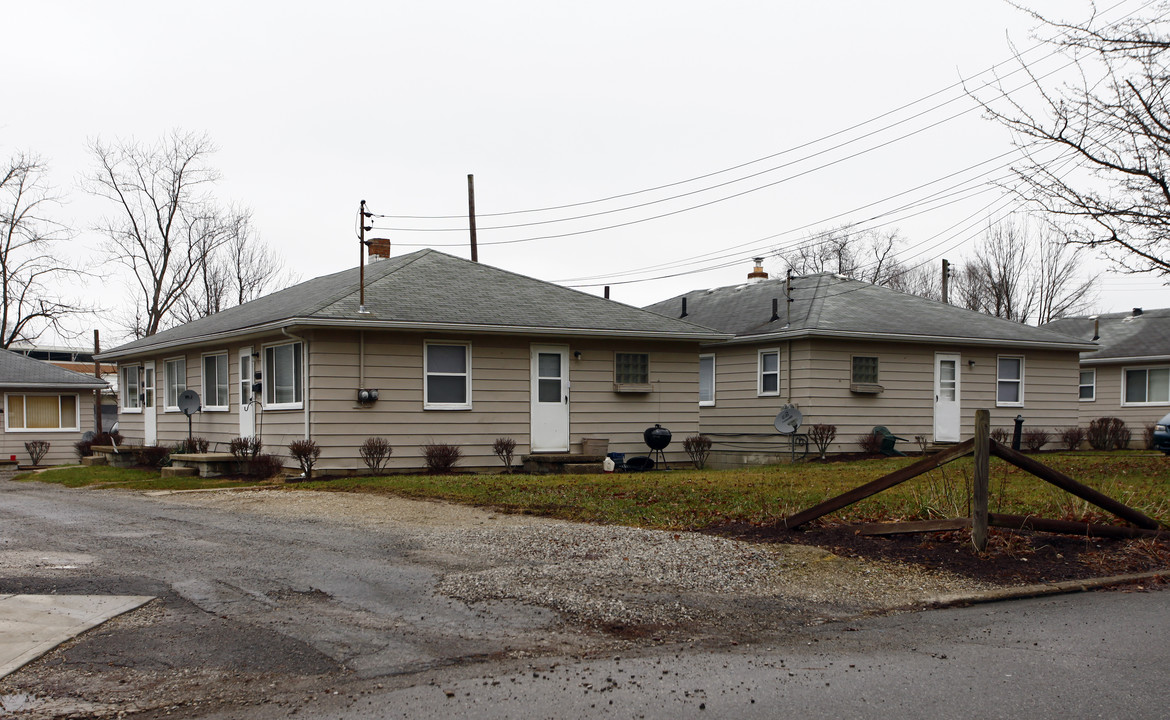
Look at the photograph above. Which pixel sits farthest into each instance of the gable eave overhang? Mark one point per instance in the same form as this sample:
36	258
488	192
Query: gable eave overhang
358	324
1138	359
906	338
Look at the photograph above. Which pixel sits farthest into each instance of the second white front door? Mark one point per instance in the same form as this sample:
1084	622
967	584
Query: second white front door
149	420
550	398
946	397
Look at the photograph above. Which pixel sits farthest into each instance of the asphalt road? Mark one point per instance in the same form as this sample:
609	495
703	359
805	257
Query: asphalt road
267	619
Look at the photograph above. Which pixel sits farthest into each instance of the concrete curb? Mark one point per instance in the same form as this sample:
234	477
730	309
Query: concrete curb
1041	589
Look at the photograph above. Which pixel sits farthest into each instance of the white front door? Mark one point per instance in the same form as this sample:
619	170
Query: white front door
946	397
247	406
550	398
149	421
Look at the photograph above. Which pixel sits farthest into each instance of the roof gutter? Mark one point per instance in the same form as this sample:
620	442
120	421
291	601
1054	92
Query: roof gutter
279	326
896	337
55	386
1119	360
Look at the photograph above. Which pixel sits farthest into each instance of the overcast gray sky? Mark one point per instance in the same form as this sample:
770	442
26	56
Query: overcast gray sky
315	106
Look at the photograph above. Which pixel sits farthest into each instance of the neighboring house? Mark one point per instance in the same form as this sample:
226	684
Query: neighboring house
79	360
1128	374
458	352
856	355
44	402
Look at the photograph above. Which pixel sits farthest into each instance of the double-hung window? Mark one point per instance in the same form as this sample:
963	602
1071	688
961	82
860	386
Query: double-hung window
130	388
176	379
30	413
1146	386
447	376
1009	386
1088	387
282	377
769	372
706	380
215	382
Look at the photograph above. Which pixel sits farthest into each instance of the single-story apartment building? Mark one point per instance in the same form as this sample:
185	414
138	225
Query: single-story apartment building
856	355
430	349
44	402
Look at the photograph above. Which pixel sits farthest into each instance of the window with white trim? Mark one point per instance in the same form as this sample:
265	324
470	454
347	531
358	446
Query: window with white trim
769	372
215	382
706	380
128	380
1146	386
1088	387
1009	385
176	382
446	376
33	413
282	377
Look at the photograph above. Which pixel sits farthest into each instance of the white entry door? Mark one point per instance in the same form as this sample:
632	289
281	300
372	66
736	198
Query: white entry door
247	406
550	398
149	420
946	397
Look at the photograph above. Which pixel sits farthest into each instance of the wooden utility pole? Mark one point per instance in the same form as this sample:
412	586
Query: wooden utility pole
362	256
946	272
981	488
97	394
471	216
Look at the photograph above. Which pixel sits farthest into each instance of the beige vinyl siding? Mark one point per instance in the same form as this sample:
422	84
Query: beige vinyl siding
822	373
1108	403
61	451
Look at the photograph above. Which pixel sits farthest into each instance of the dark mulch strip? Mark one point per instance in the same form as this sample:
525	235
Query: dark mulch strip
1012	557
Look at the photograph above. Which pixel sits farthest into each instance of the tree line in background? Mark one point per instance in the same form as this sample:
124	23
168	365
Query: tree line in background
187	255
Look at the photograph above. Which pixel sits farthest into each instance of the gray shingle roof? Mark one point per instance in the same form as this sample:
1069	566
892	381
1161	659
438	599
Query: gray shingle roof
18	370
429	289
1123	335
827	304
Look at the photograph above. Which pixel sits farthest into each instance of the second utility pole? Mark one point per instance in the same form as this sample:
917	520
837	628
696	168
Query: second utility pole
471	215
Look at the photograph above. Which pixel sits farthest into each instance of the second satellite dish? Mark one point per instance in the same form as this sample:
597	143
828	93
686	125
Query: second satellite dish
788	419
189	402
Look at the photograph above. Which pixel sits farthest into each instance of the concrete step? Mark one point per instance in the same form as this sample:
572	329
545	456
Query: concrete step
174	471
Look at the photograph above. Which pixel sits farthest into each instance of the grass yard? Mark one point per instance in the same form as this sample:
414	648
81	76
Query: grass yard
702	499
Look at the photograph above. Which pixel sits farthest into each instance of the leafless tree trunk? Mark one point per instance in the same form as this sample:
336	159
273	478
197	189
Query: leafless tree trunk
29	265
1061	289
1116	123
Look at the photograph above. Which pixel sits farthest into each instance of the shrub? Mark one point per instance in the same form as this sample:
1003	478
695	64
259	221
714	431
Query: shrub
265	466
698	448
503	448
194	445
1107	433
1035	438
154	456
305	452
1148	435
440	457
923	442
1001	436
245	447
1072	437
822	436
37	449
375	452
84	448
870	443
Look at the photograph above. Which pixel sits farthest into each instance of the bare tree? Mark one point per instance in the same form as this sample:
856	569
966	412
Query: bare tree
862	254
1061	288
29	266
1116	123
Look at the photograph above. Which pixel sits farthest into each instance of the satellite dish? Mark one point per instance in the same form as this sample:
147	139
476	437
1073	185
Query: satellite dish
189	402
788	419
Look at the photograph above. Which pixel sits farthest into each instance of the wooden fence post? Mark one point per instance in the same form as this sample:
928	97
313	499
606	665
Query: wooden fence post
982	479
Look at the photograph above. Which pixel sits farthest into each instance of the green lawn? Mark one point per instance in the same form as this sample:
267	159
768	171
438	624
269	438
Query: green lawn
698	499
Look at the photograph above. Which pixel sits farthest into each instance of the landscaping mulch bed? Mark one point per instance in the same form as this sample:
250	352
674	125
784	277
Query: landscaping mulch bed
1011	558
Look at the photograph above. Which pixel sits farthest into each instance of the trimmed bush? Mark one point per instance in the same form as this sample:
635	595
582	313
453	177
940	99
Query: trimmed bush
870	443
245	447
822	436
503	448
1148	435
698	448
305	452
1001	436
376	452
1072	437
1107	433
441	458
153	456
194	445
265	466
1035	438
37	449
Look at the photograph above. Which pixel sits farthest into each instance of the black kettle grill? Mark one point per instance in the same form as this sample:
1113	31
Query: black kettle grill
657	438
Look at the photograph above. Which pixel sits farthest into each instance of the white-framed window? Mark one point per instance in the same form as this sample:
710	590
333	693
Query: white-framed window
631	368
1088	387
42	413
446	375
769	373
1009	381
1145	386
865	370
215	382
129	380
706	380
282	377
175	371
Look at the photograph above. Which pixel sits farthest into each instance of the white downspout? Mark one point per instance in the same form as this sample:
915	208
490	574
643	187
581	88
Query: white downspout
304	375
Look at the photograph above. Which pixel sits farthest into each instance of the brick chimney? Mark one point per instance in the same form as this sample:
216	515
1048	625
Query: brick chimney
758	274
379	248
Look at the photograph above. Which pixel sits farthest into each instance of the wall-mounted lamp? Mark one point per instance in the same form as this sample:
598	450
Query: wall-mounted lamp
577	354
971	364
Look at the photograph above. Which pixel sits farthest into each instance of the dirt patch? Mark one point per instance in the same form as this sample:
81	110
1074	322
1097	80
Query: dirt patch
1012	557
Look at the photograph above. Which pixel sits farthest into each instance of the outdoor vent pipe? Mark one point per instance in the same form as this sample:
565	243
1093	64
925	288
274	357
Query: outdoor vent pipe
775	310
1096	328
607	292
684	308
1137	311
